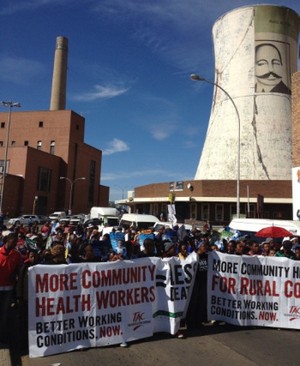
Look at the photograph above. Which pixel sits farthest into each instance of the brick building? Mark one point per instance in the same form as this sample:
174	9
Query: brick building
44	146
214	200
41	147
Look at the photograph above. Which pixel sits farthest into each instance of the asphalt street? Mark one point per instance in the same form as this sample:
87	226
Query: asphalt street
211	345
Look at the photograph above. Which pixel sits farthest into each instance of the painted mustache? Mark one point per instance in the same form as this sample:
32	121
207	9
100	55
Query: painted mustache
266	76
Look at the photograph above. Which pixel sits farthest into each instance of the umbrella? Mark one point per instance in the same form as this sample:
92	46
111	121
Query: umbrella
273	232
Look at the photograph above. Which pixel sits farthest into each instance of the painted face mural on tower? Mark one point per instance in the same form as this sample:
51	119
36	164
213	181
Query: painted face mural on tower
269	69
256	53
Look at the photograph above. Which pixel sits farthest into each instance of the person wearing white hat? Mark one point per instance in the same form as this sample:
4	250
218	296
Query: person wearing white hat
295	242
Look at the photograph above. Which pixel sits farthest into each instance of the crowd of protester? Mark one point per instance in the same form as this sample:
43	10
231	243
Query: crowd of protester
54	243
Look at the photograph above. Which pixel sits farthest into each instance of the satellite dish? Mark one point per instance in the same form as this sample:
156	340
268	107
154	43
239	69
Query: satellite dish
190	187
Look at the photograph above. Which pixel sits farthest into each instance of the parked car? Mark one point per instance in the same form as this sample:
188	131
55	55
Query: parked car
65	220
57	215
24	219
43	219
77	219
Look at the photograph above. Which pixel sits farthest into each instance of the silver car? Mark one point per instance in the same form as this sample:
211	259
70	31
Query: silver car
24	219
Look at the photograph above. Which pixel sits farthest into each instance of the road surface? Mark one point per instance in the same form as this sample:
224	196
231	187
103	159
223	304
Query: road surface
211	345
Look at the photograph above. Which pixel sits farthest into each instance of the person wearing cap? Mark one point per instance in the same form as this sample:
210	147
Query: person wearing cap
286	250
295	243
273	244
169	249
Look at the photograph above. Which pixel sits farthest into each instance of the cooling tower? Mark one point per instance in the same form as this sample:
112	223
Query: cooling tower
59	79
255	56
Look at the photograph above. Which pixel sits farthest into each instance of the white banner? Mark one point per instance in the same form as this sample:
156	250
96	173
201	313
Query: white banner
98	304
254	291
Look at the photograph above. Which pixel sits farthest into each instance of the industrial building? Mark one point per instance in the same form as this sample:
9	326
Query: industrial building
47	166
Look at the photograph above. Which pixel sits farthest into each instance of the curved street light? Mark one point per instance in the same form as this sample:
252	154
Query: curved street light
10	105
72	182
197	77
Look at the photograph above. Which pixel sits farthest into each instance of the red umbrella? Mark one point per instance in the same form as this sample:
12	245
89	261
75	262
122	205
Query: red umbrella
273	232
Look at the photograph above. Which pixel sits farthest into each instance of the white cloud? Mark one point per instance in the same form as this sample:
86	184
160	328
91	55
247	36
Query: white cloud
163	130
16	6
116	146
101	92
19	70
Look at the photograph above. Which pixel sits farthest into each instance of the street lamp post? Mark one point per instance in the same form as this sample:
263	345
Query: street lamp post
197	77
72	182
10	105
34	204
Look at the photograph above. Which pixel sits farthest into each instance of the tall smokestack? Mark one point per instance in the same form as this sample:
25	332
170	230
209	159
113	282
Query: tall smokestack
59	79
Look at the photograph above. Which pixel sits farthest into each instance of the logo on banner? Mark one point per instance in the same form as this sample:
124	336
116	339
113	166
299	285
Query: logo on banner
138	320
294	313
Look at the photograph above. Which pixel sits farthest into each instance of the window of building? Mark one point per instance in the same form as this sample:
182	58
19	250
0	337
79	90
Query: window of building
232	211
2	124
219	212
164	208
251	210
39	145
52	147
193	211
41	124
205	211
1	143
13	143
2	166
92	179
77	127
154	209
44	179
26	143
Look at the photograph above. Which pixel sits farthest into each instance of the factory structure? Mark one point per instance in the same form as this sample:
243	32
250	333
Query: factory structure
255	117
47	166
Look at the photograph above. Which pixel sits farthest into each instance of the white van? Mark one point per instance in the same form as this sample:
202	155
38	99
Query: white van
254	225
57	215
107	215
139	221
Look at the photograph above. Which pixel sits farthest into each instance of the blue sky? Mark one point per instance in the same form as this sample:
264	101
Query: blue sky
128	75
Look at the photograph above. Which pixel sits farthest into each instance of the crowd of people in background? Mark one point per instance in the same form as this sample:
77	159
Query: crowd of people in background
53	243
